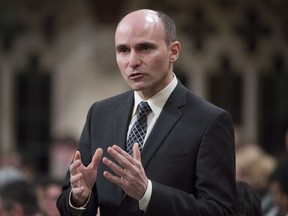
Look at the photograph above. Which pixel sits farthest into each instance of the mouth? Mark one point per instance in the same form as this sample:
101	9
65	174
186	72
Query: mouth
136	76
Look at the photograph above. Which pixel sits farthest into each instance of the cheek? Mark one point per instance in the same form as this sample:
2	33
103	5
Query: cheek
160	63
121	68
121	61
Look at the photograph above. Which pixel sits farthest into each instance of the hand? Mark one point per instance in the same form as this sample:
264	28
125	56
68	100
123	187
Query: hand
83	178
130	174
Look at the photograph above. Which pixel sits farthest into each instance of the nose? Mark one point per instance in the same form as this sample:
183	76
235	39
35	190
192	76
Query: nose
134	60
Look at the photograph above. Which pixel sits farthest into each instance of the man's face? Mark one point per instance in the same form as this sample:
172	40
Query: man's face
142	54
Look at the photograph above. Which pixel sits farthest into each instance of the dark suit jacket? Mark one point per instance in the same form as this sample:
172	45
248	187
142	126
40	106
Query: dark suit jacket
189	157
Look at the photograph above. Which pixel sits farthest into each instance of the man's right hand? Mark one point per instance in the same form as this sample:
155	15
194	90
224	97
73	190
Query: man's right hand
83	178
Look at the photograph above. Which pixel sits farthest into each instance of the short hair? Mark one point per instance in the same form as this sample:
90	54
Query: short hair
46	181
19	191
169	27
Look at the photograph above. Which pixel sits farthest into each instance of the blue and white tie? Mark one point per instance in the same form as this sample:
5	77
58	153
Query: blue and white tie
139	128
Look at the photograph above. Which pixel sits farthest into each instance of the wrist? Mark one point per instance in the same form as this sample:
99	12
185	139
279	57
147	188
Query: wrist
79	201
144	201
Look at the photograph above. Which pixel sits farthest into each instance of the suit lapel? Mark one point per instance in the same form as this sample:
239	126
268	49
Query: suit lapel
122	120
169	116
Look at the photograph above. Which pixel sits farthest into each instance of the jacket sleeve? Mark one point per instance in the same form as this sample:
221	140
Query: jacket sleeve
63	201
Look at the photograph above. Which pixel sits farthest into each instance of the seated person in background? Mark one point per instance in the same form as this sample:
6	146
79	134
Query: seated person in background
61	153
48	190
8	174
254	166
18	198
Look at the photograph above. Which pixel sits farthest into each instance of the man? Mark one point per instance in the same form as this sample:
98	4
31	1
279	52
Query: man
48	190
18	198
186	166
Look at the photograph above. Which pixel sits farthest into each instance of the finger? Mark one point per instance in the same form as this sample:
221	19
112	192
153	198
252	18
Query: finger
73	167
125	156
77	156
96	159
75	179
119	150
136	152
113	179
75	164
114	167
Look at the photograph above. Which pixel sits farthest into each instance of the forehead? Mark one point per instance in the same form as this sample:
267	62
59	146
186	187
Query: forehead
140	27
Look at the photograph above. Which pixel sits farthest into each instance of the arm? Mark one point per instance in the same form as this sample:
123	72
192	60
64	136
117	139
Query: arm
215	189
81	177
82	180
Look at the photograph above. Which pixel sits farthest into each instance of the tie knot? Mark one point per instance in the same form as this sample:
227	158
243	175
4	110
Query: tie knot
144	108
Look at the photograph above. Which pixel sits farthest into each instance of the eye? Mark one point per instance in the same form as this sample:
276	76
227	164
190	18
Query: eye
123	49
145	47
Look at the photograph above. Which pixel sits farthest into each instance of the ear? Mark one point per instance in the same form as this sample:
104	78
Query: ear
175	48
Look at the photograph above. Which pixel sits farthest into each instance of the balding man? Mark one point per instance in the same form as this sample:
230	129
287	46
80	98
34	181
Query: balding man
157	149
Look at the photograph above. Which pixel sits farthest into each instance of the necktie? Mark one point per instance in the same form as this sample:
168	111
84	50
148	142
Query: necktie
139	128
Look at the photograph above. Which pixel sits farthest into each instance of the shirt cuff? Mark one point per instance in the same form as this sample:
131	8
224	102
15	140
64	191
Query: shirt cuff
144	201
82	208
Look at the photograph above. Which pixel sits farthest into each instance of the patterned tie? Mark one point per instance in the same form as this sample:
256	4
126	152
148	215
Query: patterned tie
139	128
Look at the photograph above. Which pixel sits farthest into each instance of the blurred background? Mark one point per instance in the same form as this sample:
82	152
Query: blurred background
57	58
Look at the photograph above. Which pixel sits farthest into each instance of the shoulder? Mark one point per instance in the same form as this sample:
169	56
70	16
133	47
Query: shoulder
111	103
120	98
194	102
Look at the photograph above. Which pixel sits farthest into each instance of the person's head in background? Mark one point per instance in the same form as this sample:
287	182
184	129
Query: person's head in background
8	174
61	152
13	159
18	198
248	201
254	166
48	190
279	187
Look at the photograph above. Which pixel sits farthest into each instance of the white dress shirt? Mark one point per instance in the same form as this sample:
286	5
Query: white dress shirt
156	104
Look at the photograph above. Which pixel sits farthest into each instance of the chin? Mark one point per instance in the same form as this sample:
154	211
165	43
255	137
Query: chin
138	87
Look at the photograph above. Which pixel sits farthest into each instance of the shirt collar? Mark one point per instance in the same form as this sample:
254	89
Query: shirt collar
157	101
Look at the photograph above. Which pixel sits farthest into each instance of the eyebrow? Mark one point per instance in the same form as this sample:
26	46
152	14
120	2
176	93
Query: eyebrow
137	45
146	44
120	46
